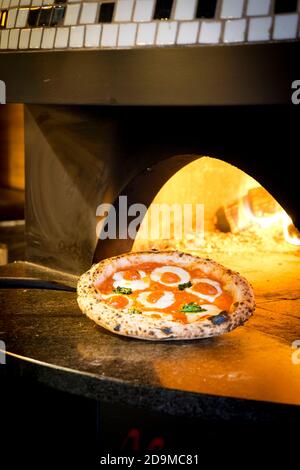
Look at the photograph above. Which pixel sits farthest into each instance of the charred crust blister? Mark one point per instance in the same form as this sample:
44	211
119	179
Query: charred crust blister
166	330
222	317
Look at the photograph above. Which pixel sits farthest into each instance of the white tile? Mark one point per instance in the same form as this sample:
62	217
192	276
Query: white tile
22	17
88	13
11	18
285	26
92	35
166	33
232	8
61	38
36	3
185	10
35	38
48	38
235	30
259	29
25	3
24	38
210	32
146	34
72	13
258	7
124	10
143	10
14	3
109	35
188	32
76	36
4	39
13	39
127	34
5	4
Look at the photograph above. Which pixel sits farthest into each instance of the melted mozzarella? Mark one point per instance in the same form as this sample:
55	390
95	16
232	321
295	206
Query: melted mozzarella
209	298
135	284
164	301
180	272
211	310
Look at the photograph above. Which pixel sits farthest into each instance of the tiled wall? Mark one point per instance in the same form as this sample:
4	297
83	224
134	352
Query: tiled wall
61	24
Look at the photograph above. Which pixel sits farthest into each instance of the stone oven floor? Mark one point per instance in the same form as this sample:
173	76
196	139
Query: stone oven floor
46	332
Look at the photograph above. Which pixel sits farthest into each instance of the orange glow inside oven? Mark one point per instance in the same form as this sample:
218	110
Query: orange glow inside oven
238	213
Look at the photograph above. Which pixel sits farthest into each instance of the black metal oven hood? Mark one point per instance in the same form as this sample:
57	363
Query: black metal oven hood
215	75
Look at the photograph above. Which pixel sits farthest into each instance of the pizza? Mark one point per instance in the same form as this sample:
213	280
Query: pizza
165	295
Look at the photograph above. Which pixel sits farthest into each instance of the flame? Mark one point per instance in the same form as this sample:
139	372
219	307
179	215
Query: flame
290	233
288	228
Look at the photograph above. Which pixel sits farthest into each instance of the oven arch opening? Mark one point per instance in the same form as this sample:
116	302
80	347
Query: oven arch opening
238	213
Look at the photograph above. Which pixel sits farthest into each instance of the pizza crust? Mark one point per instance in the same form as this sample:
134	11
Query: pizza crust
140	326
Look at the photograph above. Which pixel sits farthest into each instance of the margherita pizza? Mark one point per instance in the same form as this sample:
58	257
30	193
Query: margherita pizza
165	295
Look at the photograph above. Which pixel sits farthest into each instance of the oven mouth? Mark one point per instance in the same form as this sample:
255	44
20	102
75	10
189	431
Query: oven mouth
206	207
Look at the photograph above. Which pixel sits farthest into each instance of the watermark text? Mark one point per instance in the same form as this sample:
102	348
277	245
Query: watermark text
2	352
159	222
295	357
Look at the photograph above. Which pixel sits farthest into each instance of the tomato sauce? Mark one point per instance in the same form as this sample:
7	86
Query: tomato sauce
118	301
180	297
